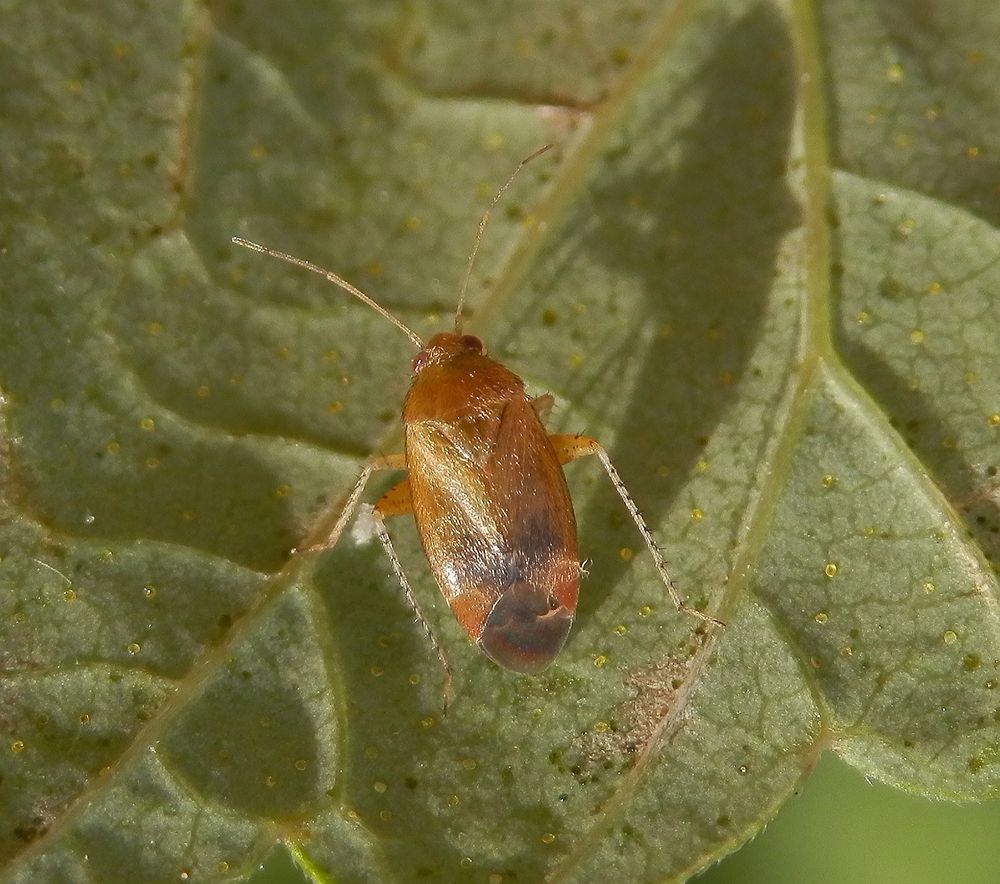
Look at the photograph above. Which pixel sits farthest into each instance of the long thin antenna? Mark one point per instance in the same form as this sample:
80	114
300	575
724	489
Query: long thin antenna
336	280
482	228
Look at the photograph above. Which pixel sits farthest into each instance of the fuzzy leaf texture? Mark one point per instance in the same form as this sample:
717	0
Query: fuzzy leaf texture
759	265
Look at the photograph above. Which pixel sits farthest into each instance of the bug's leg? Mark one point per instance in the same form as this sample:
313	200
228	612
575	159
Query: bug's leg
570	447
329	540
397	502
543	406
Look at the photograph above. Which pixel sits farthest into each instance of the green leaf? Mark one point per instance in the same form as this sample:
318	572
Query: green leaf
758	266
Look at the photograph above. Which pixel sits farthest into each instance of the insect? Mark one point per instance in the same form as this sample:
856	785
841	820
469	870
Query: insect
485	485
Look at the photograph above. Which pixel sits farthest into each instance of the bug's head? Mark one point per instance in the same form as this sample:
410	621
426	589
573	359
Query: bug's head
445	346
526	629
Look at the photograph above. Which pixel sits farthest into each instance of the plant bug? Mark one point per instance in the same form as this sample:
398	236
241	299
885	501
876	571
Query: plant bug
485	485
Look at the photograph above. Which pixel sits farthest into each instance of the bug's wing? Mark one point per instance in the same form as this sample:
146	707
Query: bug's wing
494	516
529	487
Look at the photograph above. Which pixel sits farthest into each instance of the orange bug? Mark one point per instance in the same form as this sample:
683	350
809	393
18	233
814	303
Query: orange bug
486	487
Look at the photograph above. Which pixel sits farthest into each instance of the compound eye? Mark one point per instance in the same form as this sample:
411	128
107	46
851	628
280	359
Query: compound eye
472	343
420	361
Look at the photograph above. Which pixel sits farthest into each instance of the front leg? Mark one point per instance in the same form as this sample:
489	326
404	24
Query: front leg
385	462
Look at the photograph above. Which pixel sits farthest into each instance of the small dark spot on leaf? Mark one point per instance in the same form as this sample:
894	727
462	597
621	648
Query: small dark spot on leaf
30	830
621	55
971	662
617	152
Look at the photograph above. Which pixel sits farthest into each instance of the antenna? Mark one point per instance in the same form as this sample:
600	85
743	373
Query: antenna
482	228
336	280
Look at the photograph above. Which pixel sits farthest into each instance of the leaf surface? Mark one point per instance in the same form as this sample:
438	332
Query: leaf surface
758	266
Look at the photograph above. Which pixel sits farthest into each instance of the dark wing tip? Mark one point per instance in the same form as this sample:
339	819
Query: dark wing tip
523	633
